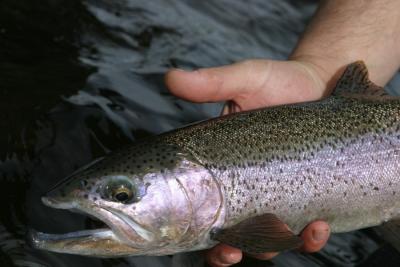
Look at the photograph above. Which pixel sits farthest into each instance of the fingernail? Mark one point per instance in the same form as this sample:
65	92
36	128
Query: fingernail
181	70
320	235
225	109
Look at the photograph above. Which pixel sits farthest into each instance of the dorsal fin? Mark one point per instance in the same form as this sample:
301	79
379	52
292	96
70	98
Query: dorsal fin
355	81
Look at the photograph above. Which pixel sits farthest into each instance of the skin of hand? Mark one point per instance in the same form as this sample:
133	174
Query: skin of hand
340	33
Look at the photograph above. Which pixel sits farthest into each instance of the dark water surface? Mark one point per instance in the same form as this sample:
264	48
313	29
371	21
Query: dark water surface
79	79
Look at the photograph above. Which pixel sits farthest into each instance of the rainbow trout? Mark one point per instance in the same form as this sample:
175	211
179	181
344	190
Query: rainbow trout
253	180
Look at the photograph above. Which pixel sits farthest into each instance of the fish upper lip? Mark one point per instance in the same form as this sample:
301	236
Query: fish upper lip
56	204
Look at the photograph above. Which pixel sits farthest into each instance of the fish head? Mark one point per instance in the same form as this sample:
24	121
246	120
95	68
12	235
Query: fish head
148	209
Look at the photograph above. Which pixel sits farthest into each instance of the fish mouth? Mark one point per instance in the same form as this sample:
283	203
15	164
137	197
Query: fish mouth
119	235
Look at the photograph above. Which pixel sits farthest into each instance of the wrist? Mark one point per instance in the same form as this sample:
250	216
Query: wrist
323	70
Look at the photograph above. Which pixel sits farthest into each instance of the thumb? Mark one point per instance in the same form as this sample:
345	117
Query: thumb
217	84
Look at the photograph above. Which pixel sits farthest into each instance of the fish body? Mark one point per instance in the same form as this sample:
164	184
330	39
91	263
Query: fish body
240	178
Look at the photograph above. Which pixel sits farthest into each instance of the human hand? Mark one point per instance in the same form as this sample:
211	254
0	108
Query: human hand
248	85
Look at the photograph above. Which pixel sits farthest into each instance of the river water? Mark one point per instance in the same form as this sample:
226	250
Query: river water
79	79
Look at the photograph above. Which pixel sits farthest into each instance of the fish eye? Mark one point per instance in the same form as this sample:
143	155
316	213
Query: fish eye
122	194
121	189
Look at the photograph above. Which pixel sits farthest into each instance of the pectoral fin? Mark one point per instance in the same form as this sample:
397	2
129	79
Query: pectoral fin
264	233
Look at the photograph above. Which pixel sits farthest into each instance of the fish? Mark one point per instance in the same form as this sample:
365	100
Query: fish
252	180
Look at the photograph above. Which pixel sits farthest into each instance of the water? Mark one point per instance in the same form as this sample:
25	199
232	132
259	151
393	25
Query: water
81	78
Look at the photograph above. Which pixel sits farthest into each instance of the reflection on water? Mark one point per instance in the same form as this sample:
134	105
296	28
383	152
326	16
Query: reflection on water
81	78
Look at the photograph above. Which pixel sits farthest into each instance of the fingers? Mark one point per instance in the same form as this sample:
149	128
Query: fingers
315	236
217	84
223	255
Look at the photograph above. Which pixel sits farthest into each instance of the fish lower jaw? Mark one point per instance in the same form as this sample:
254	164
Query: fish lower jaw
42	240
100	243
71	243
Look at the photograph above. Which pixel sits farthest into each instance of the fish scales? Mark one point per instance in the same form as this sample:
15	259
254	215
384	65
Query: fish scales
285	160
